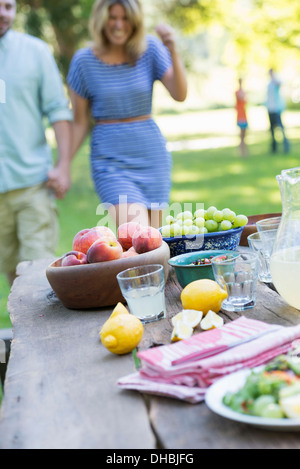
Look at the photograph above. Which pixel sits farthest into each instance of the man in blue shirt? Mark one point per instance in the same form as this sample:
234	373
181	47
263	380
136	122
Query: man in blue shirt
275	106
31	90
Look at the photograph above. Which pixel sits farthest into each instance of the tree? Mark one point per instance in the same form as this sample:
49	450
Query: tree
264	32
60	23
260	31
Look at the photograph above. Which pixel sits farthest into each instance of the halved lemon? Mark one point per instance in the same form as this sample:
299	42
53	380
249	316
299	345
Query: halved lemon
181	331
291	406
191	317
211	321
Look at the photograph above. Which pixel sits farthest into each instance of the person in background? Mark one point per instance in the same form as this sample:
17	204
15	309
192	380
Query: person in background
114	78
275	106
242	121
28	181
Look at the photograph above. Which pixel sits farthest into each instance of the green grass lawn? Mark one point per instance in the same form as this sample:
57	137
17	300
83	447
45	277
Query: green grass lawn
212	176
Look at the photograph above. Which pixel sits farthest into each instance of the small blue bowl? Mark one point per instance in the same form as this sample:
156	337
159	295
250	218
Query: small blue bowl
187	273
228	240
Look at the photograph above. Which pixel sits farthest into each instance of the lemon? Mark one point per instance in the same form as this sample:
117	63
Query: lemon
119	309
289	400
181	331
291	406
211	321
122	332
203	295
191	317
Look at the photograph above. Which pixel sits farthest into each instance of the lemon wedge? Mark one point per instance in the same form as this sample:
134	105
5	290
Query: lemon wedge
191	317
289	400
175	319
211	321
181	331
291	406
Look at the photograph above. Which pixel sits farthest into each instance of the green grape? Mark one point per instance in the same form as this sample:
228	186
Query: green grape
187	222
225	225
166	231
176	229
199	213
199	221
218	216
211	225
179	216
170	219
272	411
193	230
202	230
240	220
185	215
210	212
261	402
228	214
185	229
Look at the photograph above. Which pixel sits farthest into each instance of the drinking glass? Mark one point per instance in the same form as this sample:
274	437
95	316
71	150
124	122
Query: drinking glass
238	275
268	224
262	244
143	288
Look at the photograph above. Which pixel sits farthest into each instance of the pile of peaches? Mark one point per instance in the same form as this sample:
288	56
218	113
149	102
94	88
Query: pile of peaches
100	244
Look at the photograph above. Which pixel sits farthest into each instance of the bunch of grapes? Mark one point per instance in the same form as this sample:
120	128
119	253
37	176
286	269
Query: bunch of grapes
202	221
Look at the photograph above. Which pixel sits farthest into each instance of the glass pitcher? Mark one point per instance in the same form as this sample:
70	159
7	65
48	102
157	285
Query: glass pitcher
285	259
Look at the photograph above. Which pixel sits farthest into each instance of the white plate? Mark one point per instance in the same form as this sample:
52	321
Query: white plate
232	383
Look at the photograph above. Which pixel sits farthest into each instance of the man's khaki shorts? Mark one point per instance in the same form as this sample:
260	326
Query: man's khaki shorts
28	226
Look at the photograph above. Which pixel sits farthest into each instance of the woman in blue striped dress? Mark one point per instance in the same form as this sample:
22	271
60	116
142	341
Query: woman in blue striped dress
113	80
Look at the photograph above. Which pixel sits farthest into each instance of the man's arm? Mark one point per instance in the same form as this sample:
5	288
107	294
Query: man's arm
59	178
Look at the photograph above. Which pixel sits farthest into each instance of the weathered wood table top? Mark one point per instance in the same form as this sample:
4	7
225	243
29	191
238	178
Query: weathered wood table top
61	392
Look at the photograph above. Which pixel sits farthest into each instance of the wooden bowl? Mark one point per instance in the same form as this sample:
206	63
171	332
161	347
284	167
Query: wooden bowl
95	285
251	225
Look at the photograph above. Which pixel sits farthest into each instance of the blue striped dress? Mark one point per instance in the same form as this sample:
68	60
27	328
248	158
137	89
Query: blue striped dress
129	160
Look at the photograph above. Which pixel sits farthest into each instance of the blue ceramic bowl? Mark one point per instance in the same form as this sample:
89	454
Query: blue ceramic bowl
187	273
228	240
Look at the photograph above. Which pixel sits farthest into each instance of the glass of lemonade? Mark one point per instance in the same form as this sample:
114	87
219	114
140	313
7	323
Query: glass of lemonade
143	288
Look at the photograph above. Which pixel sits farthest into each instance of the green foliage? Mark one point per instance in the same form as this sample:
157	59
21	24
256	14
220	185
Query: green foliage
260	32
195	15
63	25
257	32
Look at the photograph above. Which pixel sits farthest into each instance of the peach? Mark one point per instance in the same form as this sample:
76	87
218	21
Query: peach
85	238
131	252
125	233
105	249
73	258
146	239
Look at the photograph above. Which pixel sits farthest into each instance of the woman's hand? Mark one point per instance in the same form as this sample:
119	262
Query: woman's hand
174	79
59	180
167	35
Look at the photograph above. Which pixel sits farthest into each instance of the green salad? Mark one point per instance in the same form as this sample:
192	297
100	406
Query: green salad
273	392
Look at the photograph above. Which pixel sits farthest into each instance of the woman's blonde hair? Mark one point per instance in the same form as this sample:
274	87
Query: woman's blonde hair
136	44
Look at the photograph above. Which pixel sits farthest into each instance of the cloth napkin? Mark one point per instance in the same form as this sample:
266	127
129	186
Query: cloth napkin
181	370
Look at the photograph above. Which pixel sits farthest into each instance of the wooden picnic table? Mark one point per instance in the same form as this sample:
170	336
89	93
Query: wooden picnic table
61	392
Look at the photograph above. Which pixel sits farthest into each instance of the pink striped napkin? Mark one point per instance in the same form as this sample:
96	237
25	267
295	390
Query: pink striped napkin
172	370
